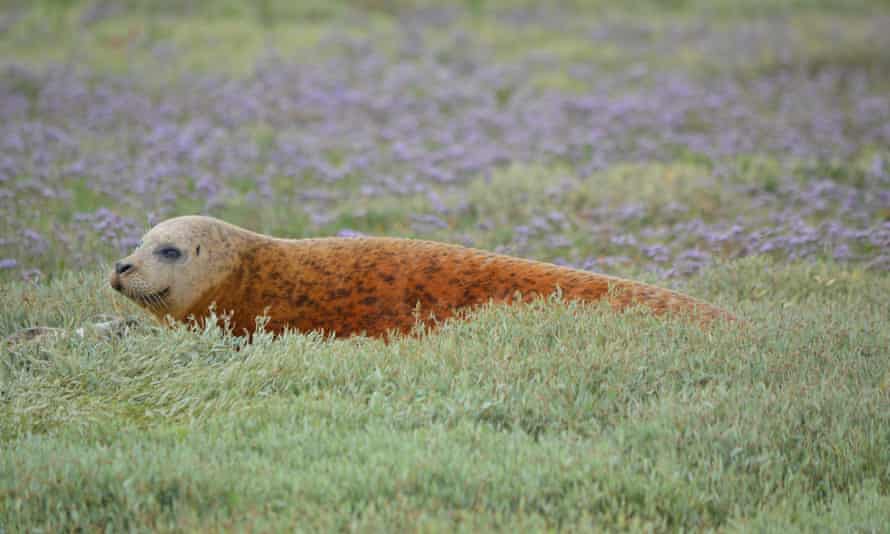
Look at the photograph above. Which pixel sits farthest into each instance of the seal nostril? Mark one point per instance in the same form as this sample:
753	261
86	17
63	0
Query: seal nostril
121	268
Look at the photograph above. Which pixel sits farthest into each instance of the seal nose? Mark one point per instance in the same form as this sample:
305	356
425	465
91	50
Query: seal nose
121	268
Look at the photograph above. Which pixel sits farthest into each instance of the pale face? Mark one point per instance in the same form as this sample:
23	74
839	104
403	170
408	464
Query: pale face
174	264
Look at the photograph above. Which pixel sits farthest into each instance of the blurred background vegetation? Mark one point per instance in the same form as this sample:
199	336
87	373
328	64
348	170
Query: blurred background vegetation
799	84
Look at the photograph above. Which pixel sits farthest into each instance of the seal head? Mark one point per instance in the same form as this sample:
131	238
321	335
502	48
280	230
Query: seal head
176	262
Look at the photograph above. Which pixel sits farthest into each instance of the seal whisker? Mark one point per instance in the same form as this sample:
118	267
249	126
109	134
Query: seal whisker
155	301
149	303
160	301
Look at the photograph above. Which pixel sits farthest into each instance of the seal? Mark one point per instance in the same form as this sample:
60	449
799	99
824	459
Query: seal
346	286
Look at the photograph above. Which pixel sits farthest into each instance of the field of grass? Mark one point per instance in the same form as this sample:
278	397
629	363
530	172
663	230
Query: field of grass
735	150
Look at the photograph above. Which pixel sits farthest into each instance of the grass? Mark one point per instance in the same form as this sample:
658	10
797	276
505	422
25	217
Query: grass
550	416
534	417
170	39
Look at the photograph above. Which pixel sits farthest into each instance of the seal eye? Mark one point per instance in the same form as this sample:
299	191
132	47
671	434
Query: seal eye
169	253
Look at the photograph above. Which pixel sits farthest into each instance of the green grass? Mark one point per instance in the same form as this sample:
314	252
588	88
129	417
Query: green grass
170	39
533	417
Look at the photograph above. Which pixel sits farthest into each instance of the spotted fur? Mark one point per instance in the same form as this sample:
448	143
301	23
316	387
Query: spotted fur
369	285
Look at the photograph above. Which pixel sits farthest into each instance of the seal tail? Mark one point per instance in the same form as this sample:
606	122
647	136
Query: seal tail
624	294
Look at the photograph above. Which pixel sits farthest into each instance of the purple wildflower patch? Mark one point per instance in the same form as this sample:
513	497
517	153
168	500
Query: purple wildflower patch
324	136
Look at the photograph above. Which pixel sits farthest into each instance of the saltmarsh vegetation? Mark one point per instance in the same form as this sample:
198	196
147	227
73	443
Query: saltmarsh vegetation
529	417
734	150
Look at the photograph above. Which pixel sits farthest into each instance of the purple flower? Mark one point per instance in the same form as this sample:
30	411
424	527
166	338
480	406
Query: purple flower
331	134
346	232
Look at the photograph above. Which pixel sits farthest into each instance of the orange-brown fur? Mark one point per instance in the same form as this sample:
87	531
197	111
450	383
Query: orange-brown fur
346	286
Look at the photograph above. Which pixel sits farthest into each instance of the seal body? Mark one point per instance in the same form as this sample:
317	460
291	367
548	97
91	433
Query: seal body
346	286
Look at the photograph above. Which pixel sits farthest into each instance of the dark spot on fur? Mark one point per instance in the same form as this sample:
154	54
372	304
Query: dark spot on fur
369	301
362	288
432	268
388	278
341	293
